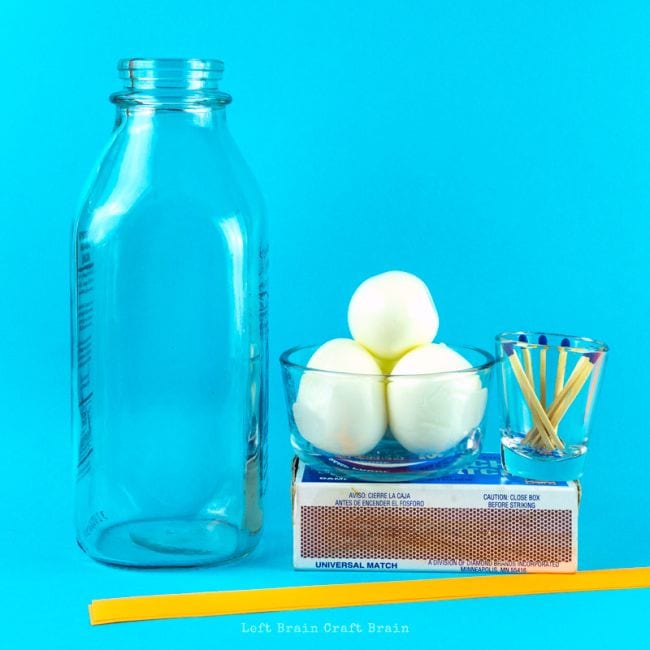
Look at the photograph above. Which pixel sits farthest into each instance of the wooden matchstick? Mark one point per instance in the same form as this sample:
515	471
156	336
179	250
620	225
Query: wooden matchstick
533	436
528	361
539	414
561	367
567	395
573	390
543	341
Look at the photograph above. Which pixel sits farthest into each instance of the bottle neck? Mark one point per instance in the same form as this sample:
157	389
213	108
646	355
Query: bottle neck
136	117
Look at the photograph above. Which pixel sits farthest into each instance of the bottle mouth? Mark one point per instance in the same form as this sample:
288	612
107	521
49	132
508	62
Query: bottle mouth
179	74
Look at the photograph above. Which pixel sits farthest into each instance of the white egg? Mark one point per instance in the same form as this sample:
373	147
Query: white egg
431	414
392	313
343	414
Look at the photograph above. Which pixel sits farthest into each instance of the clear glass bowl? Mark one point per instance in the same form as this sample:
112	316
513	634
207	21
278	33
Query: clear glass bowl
431	424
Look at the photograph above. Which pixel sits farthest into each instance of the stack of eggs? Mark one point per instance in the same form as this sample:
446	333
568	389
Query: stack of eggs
390	379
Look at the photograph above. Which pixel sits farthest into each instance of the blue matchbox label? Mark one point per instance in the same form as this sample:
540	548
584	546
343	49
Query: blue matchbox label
485	470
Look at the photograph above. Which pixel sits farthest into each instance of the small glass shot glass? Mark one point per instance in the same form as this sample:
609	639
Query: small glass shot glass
548	384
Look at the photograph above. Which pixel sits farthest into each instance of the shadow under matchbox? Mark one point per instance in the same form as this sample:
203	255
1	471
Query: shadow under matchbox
474	521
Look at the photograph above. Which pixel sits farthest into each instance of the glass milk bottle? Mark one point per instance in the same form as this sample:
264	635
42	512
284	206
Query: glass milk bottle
169	329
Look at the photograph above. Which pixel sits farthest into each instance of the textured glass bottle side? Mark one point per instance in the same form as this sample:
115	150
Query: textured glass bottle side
83	351
257	452
169	353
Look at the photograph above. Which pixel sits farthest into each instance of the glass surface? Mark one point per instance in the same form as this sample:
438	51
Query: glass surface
169	330
547	379
445	409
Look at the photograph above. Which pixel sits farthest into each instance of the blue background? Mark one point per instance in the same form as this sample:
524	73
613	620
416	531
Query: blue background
500	150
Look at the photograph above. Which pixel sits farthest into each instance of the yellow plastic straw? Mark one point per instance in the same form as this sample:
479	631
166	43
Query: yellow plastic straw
146	608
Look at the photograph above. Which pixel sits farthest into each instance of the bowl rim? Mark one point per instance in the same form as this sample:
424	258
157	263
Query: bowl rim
513	336
490	361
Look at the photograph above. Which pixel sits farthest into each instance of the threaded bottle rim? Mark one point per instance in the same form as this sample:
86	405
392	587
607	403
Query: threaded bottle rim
172	83
187	74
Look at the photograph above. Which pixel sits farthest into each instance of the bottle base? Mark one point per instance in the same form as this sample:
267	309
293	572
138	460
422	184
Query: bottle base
169	543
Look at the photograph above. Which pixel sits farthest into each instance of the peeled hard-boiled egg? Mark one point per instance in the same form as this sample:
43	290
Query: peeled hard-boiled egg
391	313
343	414
429	413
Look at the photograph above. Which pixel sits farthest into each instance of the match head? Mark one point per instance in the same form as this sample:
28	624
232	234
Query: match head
593	356
542	340
508	348
523	338
565	343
